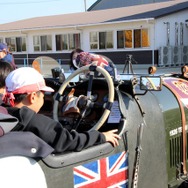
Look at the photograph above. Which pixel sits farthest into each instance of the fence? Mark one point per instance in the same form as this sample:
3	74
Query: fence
44	62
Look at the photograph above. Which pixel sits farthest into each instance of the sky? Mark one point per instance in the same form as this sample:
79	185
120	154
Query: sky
13	10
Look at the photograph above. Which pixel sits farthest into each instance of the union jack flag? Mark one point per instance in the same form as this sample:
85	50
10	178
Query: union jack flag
111	172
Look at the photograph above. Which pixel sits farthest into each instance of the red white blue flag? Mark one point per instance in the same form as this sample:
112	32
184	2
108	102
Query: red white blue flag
109	172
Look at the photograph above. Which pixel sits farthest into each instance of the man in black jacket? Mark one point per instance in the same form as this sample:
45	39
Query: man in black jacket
25	93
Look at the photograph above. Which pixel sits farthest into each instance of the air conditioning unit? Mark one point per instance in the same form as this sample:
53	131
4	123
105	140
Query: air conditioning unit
184	55
165	56
176	55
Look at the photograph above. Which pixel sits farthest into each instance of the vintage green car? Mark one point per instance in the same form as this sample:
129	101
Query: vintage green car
150	113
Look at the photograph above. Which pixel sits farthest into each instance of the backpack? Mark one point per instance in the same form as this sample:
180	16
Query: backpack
19	142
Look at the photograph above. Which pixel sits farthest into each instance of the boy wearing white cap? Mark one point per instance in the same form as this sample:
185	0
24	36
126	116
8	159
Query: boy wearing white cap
25	93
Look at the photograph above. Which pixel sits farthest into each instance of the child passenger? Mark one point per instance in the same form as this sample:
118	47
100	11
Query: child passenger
79	58
25	89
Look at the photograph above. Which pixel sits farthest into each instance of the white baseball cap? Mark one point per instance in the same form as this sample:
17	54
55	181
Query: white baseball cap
26	80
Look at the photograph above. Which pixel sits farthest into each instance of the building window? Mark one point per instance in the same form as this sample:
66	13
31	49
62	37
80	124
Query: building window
101	40
1	40
93	38
61	42
124	39
138	38
67	41
120	39
36	43
145	38
11	42
128	39
74	41
20	44
16	44
42	43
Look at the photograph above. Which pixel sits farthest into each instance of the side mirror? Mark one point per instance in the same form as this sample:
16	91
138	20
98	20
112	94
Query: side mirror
151	83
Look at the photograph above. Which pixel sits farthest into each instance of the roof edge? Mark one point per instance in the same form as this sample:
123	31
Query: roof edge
76	26
97	2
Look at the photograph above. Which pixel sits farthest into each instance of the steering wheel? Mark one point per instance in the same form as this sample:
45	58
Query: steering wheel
91	70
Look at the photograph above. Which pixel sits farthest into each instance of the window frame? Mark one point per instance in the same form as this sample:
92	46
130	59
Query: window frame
16	44
101	40
67	41
138	38
42	43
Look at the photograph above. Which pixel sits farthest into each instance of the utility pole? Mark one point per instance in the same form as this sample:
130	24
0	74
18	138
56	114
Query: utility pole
85	5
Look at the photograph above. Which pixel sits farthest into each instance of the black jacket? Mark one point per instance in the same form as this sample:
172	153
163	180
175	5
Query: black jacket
53	133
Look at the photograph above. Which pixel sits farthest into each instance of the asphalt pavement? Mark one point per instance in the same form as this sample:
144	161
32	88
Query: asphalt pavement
137	69
143	69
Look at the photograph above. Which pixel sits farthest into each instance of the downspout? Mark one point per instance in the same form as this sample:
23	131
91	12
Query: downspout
153	51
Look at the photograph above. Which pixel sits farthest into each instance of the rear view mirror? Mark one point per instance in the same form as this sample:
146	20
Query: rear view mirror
151	83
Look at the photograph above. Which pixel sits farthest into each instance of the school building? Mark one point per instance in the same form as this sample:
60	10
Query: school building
153	32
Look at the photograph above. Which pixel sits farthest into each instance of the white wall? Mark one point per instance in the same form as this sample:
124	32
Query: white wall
157	29
161	29
116	27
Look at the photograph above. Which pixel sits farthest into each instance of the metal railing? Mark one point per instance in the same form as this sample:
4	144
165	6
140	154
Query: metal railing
43	60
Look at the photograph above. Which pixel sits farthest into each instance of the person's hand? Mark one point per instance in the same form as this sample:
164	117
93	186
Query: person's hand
112	137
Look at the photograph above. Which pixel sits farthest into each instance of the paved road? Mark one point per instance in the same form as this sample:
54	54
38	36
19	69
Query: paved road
143	69
138	69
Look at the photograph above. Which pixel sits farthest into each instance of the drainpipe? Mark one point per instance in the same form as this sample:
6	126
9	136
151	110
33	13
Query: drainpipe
153	51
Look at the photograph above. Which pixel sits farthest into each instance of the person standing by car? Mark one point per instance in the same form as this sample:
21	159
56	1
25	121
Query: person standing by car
25	93
6	56
79	58
73	55
5	69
